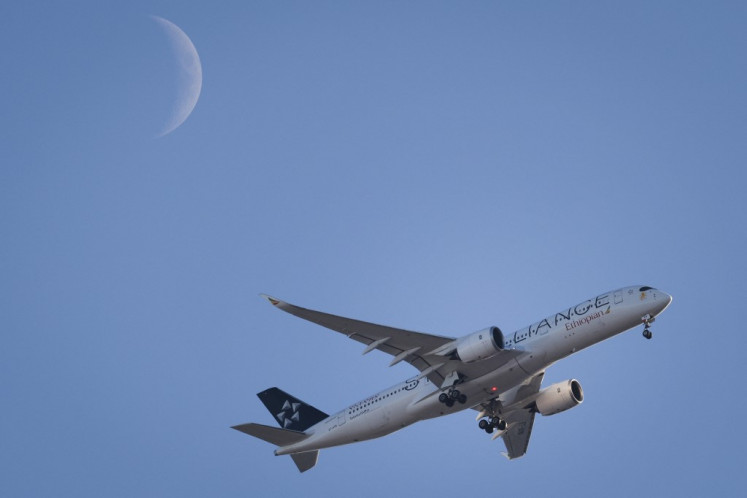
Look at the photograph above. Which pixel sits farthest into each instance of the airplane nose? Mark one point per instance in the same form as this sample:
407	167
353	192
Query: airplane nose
662	301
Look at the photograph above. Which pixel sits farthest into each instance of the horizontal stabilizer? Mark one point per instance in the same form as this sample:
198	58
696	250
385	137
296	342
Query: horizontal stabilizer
274	435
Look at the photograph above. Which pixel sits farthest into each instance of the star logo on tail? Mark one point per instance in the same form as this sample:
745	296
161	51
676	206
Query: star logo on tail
289	414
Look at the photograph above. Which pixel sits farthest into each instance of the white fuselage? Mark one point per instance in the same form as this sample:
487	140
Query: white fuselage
541	343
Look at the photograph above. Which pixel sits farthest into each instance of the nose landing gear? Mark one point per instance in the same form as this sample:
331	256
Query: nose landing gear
647	321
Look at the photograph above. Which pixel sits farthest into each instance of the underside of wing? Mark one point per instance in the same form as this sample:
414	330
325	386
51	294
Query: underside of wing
519	412
432	355
516	438
404	345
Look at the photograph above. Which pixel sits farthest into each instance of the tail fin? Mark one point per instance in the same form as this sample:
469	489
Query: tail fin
290	412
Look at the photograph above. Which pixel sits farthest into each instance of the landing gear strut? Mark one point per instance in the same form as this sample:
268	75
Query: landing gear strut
492	423
452	396
647	321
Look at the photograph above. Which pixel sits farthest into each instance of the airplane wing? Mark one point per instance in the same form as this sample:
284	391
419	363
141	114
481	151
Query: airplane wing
404	345
519	415
516	438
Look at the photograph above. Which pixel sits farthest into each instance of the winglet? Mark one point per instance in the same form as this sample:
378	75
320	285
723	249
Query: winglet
272	300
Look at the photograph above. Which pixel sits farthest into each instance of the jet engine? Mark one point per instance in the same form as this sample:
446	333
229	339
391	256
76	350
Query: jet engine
559	397
480	345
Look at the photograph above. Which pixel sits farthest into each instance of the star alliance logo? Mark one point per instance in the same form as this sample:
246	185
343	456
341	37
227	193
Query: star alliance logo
289	415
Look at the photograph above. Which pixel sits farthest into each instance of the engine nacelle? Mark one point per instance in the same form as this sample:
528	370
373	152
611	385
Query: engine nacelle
559	397
480	345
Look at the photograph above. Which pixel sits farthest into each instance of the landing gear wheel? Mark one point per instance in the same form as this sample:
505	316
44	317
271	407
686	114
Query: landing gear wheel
647	321
462	398
483	424
455	394
489	429
501	425
443	397
449	402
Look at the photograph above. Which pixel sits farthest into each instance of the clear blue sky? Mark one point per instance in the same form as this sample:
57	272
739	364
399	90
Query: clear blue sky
437	166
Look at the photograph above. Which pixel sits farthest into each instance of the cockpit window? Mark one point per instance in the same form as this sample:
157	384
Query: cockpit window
644	289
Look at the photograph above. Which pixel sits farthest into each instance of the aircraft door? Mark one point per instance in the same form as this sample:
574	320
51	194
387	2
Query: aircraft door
341	419
618	297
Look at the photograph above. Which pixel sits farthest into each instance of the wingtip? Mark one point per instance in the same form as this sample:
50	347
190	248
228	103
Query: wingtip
271	299
241	428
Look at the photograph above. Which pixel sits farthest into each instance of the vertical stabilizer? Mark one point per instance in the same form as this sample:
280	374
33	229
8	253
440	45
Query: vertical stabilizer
290	412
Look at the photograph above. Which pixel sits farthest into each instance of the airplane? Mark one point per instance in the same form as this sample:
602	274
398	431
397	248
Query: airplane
498	375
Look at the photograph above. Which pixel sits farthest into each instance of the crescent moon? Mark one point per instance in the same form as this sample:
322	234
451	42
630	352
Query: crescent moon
190	75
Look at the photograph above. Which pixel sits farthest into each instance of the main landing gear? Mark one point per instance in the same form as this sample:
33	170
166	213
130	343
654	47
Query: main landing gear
647	321
452	396
491	423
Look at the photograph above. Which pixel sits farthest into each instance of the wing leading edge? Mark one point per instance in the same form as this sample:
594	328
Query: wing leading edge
429	353
403	345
